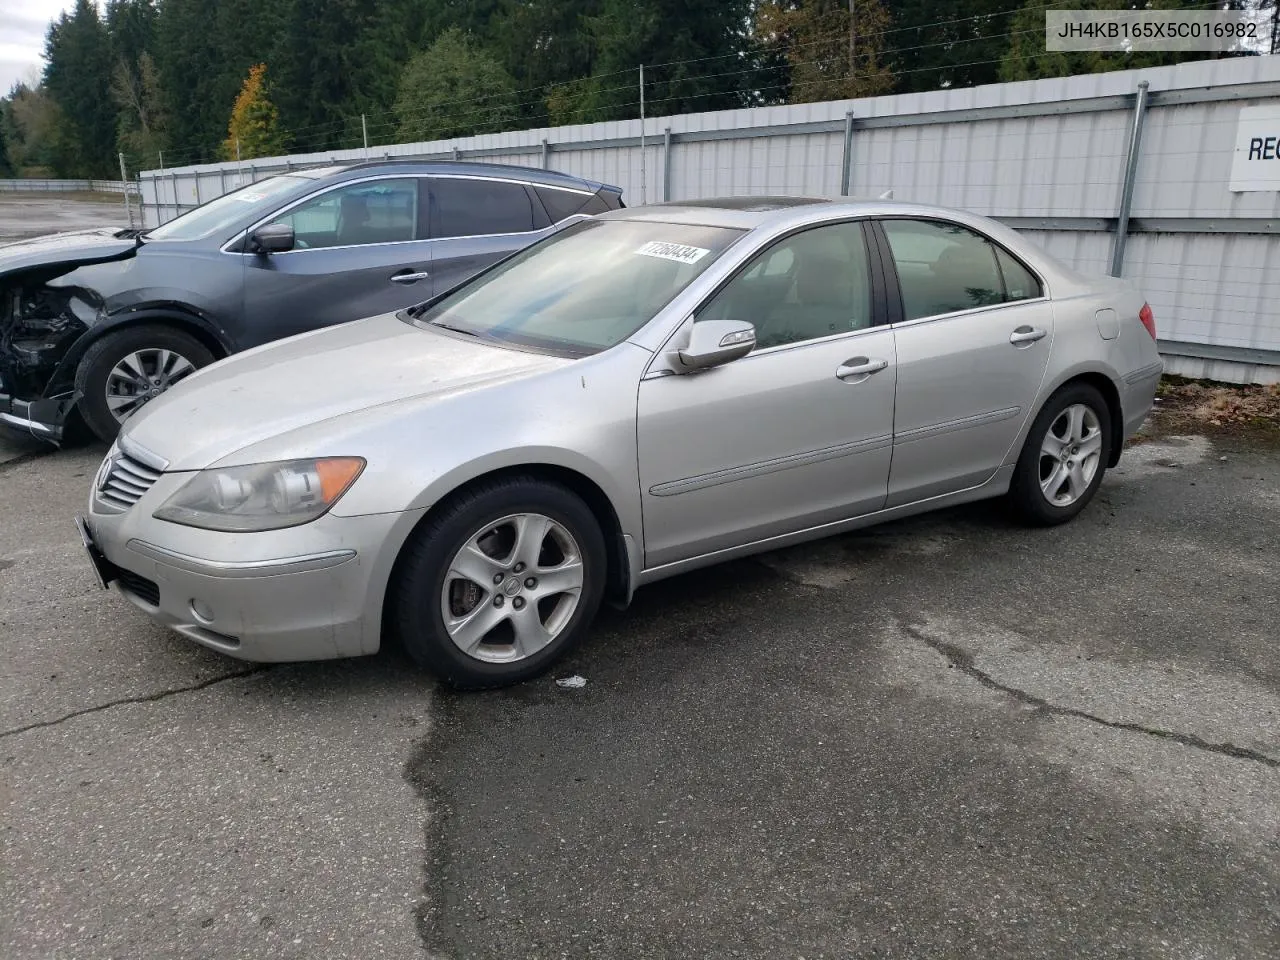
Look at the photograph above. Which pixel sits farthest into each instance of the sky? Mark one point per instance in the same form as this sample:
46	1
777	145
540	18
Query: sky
22	27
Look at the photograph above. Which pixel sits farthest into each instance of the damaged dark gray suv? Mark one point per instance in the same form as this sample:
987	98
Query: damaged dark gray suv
96	323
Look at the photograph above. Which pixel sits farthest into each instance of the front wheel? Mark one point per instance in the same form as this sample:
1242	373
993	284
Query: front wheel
1064	457
123	371
501	584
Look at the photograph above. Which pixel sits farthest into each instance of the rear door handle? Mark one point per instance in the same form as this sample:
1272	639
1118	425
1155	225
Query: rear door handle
859	367
409	277
1027	336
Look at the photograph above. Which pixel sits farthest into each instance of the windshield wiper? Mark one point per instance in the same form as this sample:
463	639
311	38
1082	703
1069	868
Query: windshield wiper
449	326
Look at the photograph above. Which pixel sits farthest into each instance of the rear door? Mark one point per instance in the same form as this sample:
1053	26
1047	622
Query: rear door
361	249
973	339
474	221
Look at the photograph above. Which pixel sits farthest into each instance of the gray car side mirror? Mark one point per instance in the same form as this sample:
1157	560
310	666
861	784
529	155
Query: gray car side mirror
272	238
713	342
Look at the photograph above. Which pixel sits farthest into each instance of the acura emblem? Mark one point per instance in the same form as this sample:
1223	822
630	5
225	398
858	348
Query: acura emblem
104	473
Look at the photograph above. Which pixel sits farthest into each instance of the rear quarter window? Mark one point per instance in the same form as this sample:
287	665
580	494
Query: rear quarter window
560	204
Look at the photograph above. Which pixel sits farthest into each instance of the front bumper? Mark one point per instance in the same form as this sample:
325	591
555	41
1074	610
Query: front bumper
41	419
311	592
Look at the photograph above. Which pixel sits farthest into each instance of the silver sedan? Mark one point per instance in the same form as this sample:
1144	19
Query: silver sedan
640	394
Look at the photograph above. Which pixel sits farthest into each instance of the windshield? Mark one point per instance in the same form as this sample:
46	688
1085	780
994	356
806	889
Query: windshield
230	209
586	288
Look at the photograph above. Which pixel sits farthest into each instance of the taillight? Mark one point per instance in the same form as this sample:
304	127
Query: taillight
1148	319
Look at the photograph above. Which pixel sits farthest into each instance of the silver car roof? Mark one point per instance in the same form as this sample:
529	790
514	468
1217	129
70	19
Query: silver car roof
770	216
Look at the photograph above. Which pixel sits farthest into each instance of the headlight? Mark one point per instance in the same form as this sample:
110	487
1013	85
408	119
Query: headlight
261	496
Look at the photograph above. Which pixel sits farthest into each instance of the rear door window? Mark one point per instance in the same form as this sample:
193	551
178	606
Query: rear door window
471	208
944	268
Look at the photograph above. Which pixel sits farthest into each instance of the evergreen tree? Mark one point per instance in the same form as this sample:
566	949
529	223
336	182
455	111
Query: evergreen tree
76	77
338	59
832	46
1027	59
203	52
937	44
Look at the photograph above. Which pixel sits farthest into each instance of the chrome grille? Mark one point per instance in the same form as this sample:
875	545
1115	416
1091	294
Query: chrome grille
125	481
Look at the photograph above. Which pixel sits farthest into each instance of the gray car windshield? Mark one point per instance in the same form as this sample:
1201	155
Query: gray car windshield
230	209
586	288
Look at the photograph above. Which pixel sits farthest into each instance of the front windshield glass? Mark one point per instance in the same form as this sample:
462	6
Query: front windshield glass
230	209
586	288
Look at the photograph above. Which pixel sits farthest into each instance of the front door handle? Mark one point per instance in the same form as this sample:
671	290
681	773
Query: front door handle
859	367
1025	336
409	277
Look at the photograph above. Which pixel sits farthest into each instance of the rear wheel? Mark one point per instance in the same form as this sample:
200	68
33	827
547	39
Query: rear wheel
501	584
1064	457
122	371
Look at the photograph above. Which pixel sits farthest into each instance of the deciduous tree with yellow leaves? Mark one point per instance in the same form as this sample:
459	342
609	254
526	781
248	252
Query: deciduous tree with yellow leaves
255	122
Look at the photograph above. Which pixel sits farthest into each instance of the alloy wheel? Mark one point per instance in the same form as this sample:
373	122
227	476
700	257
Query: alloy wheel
1070	454
141	376
512	588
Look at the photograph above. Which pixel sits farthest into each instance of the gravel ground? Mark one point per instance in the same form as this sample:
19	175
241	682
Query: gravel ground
949	736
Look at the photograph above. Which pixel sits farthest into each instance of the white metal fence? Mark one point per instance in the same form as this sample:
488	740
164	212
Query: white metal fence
1049	157
25	185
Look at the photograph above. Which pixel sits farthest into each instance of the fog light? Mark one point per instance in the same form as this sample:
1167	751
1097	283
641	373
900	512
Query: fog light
201	611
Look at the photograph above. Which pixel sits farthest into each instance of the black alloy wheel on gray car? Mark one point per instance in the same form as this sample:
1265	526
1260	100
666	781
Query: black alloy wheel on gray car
124	370
501	582
1064	457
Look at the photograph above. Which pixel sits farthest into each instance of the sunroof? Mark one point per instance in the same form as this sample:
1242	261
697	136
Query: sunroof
752	204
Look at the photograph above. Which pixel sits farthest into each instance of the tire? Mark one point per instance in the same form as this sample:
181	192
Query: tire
426	586
180	353
1044	491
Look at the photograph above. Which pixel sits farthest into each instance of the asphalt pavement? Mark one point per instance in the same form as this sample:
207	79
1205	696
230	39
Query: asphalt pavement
32	214
949	736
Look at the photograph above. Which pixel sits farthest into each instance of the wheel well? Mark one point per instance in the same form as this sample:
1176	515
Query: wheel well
64	376
191	329
1104	386
597	501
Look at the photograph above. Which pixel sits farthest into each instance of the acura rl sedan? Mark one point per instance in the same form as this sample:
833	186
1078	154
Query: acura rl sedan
98	323
640	394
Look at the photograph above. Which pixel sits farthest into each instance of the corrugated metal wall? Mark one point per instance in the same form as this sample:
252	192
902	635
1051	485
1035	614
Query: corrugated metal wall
1048	156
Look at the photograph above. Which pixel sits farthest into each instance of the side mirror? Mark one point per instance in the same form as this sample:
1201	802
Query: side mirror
713	342
272	238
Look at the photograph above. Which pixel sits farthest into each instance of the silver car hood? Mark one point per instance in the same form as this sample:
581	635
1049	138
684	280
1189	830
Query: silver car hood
272	390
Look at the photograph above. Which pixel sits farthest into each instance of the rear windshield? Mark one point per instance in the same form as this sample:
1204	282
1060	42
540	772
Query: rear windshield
231	210
584	289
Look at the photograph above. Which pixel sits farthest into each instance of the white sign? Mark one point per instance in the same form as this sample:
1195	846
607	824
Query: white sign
679	252
1256	163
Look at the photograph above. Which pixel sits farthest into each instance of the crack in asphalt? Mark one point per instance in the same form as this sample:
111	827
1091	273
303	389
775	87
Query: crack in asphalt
148	698
964	662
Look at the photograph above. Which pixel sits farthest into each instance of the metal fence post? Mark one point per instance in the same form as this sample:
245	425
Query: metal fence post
666	165
124	182
546	154
846	161
1130	177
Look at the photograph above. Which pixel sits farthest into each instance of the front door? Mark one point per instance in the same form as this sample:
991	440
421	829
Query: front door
973	346
794	435
360	250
